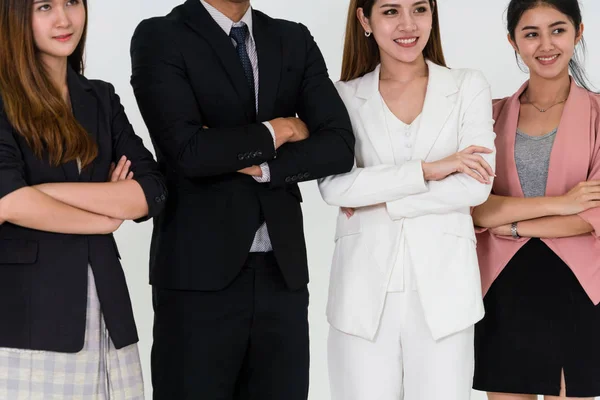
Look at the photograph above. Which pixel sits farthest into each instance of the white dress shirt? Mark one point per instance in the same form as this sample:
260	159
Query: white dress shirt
262	241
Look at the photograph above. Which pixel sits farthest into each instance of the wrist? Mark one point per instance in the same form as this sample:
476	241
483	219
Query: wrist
514	230
555	205
426	167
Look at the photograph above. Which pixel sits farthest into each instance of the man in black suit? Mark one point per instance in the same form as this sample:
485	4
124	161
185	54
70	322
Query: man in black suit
219	85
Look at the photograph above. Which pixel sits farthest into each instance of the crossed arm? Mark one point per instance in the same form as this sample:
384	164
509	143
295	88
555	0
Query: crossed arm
542	217
76	208
82	207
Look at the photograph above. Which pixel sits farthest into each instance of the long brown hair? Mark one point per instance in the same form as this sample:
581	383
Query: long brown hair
32	103
361	53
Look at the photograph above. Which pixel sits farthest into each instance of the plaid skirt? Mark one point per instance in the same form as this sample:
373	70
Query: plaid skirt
97	372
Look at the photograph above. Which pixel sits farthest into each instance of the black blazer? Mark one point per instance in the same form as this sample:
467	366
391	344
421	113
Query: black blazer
186	75
43	276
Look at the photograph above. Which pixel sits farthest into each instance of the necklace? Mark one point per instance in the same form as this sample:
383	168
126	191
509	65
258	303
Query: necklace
543	110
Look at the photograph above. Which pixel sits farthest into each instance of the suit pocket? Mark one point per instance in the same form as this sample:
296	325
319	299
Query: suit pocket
18	251
347	226
460	225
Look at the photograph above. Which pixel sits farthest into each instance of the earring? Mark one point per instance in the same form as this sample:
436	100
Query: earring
367	34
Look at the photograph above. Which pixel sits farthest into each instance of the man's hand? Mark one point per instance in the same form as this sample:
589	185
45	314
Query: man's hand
289	130
252	171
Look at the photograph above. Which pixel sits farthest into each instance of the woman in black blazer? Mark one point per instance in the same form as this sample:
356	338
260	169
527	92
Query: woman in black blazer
66	322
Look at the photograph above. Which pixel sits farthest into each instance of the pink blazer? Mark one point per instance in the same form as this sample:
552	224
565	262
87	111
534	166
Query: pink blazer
575	158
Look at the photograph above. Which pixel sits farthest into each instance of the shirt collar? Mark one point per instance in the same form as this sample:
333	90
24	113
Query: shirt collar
224	22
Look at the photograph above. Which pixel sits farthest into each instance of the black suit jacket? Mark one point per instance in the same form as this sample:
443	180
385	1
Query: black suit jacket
186	75
43	276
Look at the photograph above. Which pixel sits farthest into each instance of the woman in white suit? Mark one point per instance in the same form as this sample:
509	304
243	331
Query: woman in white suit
405	290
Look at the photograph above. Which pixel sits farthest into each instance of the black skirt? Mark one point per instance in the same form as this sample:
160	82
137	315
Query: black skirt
539	321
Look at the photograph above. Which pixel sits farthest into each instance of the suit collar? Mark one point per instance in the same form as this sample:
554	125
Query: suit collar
437	107
85	110
441	81
224	22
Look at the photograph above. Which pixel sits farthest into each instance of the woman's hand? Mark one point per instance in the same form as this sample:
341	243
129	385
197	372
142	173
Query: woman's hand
120	171
504	230
466	161
348	211
582	197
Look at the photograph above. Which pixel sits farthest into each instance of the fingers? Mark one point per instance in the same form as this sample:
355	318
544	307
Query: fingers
114	176
465	169
590	183
300	129
591	197
125	171
475	165
477	149
590	204
121	171
488	168
348	211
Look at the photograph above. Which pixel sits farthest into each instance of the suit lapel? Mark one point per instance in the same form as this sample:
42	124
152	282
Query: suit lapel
85	109
372	116
200	21
268	48
507	121
572	138
437	108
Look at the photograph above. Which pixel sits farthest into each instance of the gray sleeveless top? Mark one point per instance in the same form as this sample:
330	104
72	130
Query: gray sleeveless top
532	156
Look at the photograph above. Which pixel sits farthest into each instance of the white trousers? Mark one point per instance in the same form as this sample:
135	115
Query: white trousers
403	362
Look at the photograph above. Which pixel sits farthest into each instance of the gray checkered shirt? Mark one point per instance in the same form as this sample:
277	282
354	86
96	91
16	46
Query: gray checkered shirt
262	241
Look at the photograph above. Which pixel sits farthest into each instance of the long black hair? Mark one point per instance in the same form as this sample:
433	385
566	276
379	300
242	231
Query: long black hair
571	9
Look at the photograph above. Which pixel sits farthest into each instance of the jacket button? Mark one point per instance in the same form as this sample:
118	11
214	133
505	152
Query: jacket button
240	156
306	175
294	178
259	153
163	197
157	199
288	179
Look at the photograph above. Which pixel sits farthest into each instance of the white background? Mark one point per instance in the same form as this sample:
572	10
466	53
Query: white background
474	36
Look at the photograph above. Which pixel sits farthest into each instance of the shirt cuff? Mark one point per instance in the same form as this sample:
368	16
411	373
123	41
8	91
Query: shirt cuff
272	131
266	174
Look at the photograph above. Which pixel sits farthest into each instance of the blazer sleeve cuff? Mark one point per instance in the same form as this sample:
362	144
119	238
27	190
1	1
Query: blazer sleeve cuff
155	193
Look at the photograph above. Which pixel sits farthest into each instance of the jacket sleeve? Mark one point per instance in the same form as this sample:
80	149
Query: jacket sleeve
367	186
458	191
171	113
592	216
330	148
144	167
12	166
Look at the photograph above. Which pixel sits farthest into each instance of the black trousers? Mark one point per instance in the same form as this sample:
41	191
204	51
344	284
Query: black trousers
246	342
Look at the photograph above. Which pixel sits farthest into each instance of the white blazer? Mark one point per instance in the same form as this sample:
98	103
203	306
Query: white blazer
398	210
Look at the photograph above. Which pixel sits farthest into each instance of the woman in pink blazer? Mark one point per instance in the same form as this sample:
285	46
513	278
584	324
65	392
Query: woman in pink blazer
540	252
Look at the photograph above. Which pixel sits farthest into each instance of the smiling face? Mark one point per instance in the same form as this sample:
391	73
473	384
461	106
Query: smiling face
401	28
58	26
545	39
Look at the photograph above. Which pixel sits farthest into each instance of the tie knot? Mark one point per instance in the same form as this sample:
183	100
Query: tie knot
239	33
